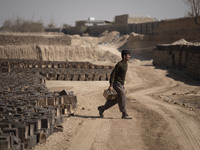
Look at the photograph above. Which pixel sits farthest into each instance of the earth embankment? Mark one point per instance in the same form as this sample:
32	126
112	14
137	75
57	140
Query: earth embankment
48	47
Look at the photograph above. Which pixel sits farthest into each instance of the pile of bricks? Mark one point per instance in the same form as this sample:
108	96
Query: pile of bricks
74	71
193	62
29	112
181	57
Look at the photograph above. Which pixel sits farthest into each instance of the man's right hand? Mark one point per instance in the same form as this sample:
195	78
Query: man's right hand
110	87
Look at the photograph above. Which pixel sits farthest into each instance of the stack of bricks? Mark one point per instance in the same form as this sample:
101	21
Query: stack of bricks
193	62
181	57
28	111
73	71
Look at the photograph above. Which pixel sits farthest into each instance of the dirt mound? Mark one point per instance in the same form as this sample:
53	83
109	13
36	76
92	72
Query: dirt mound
134	41
57	53
79	49
82	40
113	37
184	42
108	37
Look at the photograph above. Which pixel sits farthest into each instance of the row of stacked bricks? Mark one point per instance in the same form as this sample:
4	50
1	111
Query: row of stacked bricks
180	57
29	112
193	63
74	71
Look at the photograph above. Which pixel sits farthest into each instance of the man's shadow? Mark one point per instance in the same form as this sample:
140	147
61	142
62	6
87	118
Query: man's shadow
92	117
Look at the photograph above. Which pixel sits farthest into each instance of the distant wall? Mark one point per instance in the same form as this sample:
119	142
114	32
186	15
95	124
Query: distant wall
73	30
179	57
141	19
144	28
97	30
179	28
168	31
164	31
122	19
53	29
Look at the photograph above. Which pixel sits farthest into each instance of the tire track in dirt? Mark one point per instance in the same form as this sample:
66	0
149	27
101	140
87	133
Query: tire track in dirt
185	130
155	132
102	135
93	135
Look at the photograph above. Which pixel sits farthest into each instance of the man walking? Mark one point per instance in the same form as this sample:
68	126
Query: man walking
117	79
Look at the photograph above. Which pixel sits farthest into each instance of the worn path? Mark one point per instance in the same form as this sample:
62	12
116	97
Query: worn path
156	125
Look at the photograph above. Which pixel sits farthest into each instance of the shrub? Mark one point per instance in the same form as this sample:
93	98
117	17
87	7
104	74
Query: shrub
20	25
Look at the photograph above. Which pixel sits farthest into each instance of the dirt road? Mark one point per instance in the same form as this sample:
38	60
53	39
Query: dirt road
157	124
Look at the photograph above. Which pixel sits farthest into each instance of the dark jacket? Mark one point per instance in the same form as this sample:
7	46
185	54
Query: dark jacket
119	72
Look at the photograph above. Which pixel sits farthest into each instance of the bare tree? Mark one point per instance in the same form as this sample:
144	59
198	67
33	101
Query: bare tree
51	23
20	25
194	9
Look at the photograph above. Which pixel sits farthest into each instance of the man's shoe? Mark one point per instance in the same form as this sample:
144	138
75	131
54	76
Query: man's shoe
101	111
125	116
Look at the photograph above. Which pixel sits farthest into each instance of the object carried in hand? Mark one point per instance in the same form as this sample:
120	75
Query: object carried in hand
110	94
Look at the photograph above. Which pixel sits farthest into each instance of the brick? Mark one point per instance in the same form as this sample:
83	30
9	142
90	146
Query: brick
45	123
5	142
13	131
42	101
41	138
23	132
30	142
51	101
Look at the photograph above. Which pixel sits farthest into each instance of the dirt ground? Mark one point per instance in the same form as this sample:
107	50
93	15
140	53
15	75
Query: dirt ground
164	106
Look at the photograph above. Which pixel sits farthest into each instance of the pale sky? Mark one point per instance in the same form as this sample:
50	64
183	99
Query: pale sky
69	11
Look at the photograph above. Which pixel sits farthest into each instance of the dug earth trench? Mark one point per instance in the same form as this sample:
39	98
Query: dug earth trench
161	119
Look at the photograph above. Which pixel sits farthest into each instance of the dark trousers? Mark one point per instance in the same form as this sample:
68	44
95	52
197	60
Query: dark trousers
120	99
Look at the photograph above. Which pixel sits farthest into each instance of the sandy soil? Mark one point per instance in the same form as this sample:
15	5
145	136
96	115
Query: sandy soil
162	118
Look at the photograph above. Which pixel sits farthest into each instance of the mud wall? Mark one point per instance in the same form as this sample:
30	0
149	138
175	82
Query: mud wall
144	28
163	32
180	57
122	19
73	30
172	30
157	32
97	30
178	27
